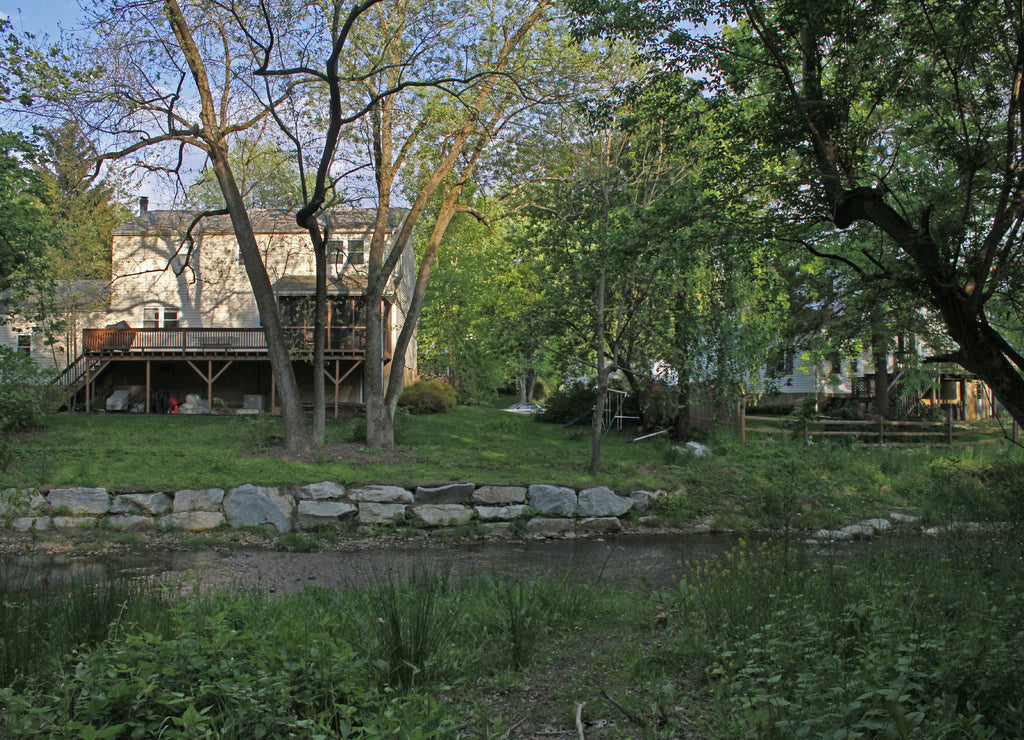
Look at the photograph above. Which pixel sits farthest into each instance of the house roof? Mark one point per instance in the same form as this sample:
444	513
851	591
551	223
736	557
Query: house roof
264	221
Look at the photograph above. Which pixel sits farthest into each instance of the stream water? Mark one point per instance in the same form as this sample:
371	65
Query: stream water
641	560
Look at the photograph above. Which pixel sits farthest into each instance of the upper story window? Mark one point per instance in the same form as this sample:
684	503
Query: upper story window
25	343
342	251
355	251
336	252
160	317
783	363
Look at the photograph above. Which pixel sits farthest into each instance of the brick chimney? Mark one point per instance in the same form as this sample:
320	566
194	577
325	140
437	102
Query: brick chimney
143	205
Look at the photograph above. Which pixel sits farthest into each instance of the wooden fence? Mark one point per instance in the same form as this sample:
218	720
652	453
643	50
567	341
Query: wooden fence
878	431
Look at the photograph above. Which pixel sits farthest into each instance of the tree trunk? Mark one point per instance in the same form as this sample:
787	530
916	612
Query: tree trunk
597	430
682	421
296	436
527	381
880	359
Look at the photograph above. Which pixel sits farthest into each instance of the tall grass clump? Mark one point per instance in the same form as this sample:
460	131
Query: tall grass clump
910	639
41	624
410	622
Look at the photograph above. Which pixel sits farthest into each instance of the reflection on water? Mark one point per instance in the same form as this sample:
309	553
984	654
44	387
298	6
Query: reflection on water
643	560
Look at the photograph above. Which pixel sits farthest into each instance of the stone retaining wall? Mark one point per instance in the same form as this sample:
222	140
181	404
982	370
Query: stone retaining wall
538	510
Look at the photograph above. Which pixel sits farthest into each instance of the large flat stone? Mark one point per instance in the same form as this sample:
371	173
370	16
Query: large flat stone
500	513
550	527
372	512
556	500
141	503
258	506
21	502
80	500
324	513
381	495
74	522
602	502
497	529
208	499
439	515
322	491
28	523
193	521
599	525
450	493
500	495
642	500
131	523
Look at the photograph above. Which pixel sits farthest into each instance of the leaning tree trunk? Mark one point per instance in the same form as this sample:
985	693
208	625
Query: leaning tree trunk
296	438
295	434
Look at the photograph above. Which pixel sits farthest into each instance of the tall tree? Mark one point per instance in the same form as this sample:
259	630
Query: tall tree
901	119
84	208
157	78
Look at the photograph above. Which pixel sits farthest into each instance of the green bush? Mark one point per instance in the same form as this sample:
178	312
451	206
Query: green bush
428	397
868	643
25	393
570	401
230	665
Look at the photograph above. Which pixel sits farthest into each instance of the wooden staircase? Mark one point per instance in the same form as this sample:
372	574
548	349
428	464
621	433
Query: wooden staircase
77	374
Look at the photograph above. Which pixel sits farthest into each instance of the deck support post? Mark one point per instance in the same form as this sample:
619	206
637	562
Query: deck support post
210	378
149	394
339	379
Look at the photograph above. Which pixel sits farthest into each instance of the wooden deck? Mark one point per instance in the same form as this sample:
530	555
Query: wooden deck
209	353
344	342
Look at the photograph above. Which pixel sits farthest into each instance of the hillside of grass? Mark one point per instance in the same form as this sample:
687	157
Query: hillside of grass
742	485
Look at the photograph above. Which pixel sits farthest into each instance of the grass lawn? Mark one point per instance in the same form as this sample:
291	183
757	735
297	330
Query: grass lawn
742	486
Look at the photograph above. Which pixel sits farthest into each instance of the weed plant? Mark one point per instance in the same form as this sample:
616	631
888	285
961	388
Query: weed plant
411	621
910	639
41	624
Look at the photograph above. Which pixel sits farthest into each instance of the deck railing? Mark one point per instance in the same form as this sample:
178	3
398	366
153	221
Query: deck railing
340	340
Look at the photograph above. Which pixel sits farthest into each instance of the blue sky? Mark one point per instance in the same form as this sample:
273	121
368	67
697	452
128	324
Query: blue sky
41	16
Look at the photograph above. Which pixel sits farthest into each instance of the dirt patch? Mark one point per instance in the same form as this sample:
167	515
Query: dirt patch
350	452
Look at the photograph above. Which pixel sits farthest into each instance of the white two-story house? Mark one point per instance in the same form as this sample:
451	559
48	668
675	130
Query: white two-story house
182	318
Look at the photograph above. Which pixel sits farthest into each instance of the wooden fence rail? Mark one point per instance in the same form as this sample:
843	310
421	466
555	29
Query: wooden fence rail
872	430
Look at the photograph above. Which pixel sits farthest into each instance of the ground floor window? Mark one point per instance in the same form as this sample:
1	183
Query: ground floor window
25	343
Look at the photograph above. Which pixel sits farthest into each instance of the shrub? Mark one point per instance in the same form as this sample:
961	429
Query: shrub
428	397
25	391
25	394
570	401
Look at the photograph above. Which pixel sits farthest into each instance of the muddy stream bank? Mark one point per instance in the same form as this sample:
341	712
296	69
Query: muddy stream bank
645	561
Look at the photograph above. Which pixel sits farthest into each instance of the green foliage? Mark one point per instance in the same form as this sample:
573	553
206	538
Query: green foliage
428	397
226	665
297	541
26	395
408	623
267	176
42	623
475	329
571	400
25	222
872	643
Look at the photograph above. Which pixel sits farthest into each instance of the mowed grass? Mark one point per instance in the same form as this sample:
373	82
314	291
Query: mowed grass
485	445
775	485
